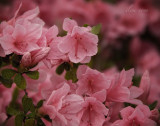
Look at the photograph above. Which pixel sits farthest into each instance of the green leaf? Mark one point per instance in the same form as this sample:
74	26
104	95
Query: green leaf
60	69
40	103
153	105
12	111
8	73
129	104
71	75
110	1
29	122
85	25
6	82
33	74
31	115
27	104
20	81
19	119
96	29
15	95
136	80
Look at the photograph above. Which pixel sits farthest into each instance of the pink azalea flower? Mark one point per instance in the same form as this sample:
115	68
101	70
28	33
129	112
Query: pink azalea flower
79	42
120	83
94	112
91	82
32	58
64	109
55	56
140	116
22	33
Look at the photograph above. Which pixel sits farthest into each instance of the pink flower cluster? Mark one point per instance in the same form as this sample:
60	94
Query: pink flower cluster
26	35
108	98
91	100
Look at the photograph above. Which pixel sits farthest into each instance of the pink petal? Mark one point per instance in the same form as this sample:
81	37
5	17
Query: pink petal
135	92
81	70
56	97
101	95
34	32
122	94
26	59
77	54
52	33
31	14
89	42
66	44
40	55
7	44
69	24
126	112
19	33
86	59
145	85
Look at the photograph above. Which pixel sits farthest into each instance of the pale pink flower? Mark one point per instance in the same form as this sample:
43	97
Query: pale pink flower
94	112
91	82
32	58
138	116
22	33
120	83
79	42
64	109
125	92
55	56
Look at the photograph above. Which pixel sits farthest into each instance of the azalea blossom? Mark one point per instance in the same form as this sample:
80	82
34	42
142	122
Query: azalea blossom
79	42
138	116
